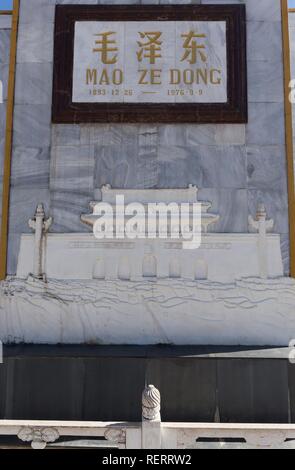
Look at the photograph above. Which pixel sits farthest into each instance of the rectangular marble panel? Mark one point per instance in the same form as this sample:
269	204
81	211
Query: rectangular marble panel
159	62
4	46
118	166
4	71
32	125
264	40
5	21
2	133
110	134
262	10
266	81
30	167
5	24
35	42
34	84
266	124
72	169
44	11
266	167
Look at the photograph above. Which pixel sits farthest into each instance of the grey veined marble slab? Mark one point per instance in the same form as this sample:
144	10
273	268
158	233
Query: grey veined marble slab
5	22
4	46
34	84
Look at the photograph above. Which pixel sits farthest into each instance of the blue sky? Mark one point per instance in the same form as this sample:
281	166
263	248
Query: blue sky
7	4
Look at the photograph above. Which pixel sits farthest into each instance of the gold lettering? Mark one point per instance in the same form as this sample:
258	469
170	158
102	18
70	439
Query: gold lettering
91	76
213	80
150	49
104	78
156	75
188	76
142	77
106	47
192	48
175	77
118	77
150	77
202	74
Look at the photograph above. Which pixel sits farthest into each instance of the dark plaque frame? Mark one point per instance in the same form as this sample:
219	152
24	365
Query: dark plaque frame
234	111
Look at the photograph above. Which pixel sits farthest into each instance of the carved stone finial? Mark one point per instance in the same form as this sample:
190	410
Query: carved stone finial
151	403
40	210
260	223
261	212
106	187
39	437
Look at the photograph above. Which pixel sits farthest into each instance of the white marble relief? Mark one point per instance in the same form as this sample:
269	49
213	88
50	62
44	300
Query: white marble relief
75	256
133	292
220	258
247	312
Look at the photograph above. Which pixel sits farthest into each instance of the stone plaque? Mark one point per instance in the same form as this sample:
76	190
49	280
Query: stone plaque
150	64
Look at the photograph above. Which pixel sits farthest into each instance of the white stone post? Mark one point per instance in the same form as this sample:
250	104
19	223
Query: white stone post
151	418
40	225
262	226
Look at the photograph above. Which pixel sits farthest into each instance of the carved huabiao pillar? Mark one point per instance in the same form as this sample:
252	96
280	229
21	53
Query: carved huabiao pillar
262	226
40	225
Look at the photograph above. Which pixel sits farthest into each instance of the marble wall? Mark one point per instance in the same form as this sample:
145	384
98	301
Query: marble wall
5	28
292	50
235	166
